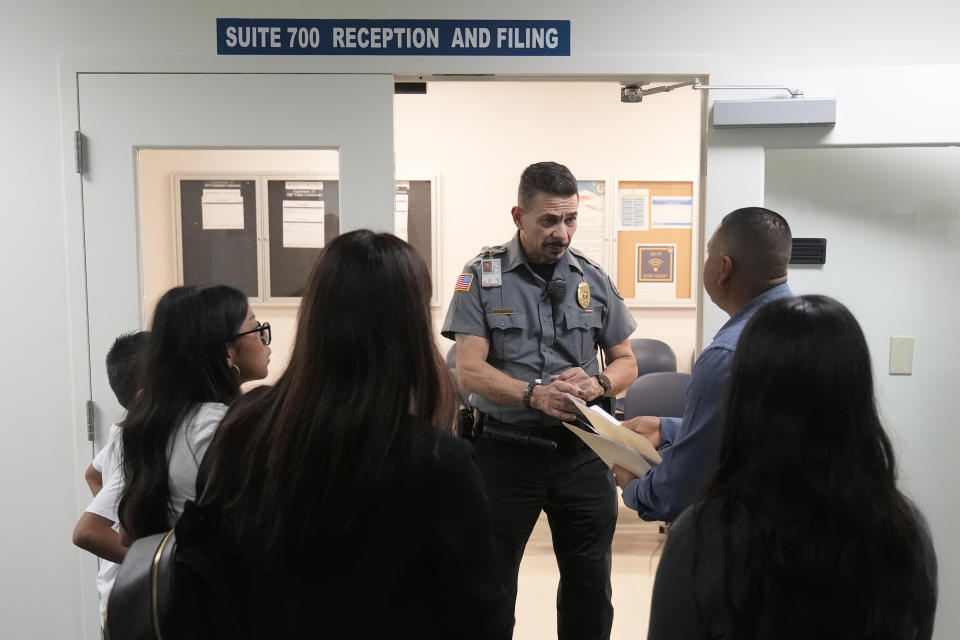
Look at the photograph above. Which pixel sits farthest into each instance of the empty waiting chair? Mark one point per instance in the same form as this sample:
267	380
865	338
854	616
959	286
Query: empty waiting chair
656	394
653	355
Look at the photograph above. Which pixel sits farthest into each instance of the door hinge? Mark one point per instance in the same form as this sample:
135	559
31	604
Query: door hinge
91	419
78	152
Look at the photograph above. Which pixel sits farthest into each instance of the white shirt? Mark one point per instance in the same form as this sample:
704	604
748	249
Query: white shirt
187	447
109	463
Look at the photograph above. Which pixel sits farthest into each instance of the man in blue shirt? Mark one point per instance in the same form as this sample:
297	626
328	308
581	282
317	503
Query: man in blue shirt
746	267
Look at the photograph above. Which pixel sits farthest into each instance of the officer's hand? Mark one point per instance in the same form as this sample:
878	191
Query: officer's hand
587	384
647	426
622	476
552	399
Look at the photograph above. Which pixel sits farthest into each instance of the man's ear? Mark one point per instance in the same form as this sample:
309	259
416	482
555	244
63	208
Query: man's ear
725	272
517	214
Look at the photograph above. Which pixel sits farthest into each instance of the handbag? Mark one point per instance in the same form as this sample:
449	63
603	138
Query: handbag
160	587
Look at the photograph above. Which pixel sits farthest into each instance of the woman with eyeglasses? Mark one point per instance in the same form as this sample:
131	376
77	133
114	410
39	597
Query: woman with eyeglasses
205	342
339	500
802	532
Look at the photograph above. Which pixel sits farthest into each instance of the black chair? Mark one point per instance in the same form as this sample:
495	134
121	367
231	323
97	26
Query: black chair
656	394
653	355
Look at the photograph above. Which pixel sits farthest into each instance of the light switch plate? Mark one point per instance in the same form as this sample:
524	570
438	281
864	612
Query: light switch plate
901	355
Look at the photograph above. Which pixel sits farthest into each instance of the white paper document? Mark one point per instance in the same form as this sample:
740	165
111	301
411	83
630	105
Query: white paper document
303	224
614	443
634	210
221	209
671	212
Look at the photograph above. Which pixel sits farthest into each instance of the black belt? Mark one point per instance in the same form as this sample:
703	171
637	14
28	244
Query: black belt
516	435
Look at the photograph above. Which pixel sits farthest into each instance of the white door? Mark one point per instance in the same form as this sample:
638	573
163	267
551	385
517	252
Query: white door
121	113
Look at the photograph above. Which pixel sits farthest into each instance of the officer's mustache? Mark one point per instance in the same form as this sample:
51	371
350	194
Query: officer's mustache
557	244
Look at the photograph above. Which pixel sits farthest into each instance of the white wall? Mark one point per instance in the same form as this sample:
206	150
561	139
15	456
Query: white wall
891	217
869	207
40	465
479	136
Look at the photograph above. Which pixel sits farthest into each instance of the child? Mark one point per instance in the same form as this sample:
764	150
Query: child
96	531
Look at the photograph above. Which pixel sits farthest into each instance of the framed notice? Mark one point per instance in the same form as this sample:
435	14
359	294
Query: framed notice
655	263
216	230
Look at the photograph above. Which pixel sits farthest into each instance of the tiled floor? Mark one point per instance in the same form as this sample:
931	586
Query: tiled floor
636	549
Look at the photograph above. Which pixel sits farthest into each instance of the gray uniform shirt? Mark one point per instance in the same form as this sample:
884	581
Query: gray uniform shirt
530	336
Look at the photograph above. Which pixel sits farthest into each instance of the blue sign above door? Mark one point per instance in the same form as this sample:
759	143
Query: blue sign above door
273	36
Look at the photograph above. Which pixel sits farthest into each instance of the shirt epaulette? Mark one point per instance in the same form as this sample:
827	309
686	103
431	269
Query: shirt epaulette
586	258
486	252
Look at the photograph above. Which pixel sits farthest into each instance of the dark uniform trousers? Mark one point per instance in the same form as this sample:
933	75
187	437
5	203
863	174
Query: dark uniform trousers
578	493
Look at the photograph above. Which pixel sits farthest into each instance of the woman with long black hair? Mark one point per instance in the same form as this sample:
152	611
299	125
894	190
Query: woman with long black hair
338	499
205	341
802	532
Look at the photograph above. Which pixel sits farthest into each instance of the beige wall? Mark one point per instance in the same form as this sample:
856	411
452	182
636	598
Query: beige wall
477	137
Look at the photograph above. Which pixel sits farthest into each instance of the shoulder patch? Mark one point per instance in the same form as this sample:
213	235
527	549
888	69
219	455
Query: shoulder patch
463	282
613	287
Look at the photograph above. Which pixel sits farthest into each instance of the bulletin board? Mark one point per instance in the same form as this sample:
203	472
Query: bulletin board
292	251
679	240
217	229
417	222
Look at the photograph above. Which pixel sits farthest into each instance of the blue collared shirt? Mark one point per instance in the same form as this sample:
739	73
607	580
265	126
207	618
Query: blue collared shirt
690	445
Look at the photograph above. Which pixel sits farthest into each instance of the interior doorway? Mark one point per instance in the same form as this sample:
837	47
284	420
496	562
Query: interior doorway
476	136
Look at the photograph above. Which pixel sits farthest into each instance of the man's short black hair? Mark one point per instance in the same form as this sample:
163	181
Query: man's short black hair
545	177
758	240
125	364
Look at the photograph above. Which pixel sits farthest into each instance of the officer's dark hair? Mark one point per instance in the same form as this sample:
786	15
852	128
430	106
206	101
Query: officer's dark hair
551	178
817	538
294	469
758	240
125	364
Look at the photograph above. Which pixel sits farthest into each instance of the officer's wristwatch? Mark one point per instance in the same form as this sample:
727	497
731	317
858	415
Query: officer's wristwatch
604	382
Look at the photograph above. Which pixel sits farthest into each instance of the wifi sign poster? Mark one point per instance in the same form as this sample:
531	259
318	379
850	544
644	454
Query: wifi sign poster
656	263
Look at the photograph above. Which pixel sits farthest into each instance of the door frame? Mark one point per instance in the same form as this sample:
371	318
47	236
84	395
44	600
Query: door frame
72	66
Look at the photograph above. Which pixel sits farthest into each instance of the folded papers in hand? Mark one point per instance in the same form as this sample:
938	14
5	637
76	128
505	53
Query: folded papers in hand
614	443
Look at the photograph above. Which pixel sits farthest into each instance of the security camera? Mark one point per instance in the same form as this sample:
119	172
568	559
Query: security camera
631	93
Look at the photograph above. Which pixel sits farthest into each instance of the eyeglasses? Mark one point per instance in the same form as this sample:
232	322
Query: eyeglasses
262	329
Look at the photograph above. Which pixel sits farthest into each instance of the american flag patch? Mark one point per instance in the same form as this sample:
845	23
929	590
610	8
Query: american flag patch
464	282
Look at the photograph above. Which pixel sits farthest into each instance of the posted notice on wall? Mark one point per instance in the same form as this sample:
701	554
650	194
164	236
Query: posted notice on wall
401	208
656	271
671	212
221	206
634	212
591	219
303	215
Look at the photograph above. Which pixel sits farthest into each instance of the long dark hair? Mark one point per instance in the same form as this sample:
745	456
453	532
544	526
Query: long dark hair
818	540
186	365
295	467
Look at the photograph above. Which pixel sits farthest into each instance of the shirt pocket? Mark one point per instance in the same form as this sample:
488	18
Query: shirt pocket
507	336
582	331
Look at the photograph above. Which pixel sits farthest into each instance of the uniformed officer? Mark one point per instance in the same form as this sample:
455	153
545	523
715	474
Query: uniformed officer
528	318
